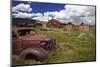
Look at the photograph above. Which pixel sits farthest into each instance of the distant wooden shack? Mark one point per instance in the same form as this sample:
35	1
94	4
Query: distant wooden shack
83	27
72	27
69	27
54	24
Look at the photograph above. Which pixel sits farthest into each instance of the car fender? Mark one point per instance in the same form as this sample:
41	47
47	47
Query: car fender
39	52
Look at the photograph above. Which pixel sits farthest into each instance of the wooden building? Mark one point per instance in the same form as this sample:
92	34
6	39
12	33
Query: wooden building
54	24
83	27
72	27
69	27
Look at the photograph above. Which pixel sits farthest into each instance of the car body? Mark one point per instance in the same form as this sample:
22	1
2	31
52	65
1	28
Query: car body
28	44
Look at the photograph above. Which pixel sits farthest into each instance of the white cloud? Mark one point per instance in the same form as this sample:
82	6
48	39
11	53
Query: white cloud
26	15
89	20
37	14
23	15
22	7
77	14
70	13
14	9
52	14
42	18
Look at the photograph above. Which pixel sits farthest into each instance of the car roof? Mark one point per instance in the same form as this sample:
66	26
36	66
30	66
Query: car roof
22	28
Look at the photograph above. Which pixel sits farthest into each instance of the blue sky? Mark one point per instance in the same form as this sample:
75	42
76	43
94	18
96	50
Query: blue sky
47	11
39	7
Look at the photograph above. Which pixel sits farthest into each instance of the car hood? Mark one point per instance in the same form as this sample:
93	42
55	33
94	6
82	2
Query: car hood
35	37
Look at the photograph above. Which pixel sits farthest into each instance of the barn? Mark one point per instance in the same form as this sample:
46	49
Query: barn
54	24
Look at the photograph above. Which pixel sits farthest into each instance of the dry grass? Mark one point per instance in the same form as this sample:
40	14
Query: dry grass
73	47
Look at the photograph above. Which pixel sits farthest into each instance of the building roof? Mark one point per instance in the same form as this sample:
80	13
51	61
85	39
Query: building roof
69	23
54	20
82	23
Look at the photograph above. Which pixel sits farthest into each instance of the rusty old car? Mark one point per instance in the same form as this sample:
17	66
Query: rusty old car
29	45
